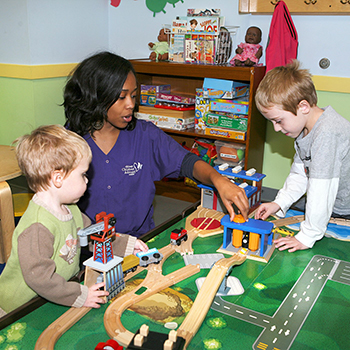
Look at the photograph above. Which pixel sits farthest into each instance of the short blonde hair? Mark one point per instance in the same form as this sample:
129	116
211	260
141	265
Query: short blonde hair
285	87
49	148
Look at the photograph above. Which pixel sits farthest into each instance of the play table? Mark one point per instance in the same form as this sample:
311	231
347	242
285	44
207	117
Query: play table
295	301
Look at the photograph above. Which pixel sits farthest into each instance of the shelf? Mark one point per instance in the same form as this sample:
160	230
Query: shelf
184	78
198	133
187	70
306	7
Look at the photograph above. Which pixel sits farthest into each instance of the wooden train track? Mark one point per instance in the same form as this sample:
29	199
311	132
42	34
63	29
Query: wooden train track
299	218
193	320
154	282
203	230
51	334
49	337
288	221
54	331
205	297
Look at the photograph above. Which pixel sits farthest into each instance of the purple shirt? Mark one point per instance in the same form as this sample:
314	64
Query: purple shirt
122	182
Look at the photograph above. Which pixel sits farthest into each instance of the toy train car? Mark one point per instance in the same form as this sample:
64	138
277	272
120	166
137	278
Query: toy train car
130	264
177	236
152	256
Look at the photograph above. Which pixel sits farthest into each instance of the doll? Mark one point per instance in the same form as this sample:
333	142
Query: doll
248	53
160	48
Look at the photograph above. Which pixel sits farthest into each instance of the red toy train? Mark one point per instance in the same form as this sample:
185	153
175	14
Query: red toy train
177	236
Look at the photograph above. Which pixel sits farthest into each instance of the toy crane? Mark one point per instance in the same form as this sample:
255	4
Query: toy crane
103	266
101	233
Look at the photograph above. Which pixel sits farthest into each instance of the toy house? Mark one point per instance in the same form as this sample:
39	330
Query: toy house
252	185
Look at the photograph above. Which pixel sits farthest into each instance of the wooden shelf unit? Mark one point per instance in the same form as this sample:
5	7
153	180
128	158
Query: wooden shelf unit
185	78
302	7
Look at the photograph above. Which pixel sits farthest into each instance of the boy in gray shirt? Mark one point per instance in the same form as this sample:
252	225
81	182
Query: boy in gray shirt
321	167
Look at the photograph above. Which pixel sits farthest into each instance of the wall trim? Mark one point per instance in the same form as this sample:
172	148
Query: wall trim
322	83
331	84
46	71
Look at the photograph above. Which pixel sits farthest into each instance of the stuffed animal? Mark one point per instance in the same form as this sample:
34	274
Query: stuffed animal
160	48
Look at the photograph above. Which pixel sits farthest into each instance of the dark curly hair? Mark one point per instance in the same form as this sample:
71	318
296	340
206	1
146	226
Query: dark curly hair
93	87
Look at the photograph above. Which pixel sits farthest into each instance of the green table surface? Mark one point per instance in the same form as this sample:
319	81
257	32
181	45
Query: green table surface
266	286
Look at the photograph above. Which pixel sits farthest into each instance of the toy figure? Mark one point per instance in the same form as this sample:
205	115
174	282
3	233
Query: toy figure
160	48
249	53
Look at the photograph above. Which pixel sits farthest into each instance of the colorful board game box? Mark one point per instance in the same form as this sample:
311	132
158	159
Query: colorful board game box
224	89
202	107
223	121
176	99
231	106
154	89
165	118
228	133
149	93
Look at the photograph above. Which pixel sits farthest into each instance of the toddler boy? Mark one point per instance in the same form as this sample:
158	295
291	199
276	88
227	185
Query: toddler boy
321	167
45	250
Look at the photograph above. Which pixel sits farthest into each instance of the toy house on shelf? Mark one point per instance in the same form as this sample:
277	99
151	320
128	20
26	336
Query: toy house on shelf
252	184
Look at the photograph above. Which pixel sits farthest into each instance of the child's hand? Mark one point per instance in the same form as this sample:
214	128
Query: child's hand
94	296
140	246
290	243
265	210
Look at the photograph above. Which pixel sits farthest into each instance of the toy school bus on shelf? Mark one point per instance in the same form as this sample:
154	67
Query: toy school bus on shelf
152	256
177	236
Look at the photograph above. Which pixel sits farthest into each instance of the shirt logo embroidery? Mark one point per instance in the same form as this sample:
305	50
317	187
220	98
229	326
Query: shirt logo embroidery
69	250
132	169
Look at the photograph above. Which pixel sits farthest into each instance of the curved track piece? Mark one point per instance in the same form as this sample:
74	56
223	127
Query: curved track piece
154	282
205	297
49	337
53	332
288	221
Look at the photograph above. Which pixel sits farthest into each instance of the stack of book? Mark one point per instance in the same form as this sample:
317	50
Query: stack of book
193	38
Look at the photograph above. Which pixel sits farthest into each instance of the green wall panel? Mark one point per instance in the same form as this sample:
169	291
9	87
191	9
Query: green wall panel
26	104
279	149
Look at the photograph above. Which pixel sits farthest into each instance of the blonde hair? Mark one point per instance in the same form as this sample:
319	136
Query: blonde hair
285	87
49	148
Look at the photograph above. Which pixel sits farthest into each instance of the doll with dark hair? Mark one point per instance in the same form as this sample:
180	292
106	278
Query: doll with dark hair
249	52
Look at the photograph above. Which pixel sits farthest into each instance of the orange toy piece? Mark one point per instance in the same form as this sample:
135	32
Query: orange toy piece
237	235
253	241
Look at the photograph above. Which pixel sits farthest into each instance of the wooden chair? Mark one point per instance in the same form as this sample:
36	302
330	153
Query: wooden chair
8	170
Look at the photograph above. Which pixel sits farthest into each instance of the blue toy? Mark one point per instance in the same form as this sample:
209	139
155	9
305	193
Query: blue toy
263	228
